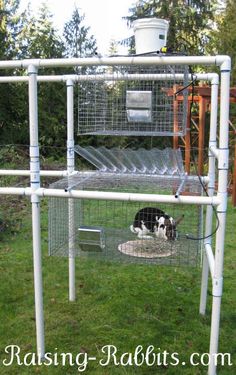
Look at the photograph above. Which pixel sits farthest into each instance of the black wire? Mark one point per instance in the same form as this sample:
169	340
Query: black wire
193	80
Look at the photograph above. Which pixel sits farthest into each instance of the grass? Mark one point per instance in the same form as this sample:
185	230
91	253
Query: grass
124	305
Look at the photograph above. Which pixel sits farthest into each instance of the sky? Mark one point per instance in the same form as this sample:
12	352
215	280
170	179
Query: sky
104	17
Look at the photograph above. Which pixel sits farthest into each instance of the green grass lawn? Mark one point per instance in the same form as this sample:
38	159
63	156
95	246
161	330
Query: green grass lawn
124	305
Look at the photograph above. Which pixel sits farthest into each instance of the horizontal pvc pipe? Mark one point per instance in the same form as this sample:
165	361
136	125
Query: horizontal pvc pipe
15	191
124	60
53	173
18	172
127	60
15	79
117	196
18	79
116	77
14	172
210	258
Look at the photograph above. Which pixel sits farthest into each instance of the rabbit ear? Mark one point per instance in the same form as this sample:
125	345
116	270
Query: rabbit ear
179	220
161	220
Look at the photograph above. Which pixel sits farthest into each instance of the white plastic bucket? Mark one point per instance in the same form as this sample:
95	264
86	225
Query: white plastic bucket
150	34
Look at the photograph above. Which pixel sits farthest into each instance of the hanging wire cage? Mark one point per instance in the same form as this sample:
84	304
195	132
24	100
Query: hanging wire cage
104	229
133	100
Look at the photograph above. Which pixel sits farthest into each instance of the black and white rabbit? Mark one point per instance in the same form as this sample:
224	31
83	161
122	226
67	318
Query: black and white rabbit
151	220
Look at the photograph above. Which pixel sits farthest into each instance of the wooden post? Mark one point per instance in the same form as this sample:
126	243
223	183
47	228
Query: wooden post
176	125
202	114
187	154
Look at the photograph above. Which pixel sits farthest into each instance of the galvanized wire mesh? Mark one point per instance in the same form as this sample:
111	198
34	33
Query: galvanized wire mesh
133	100
101	228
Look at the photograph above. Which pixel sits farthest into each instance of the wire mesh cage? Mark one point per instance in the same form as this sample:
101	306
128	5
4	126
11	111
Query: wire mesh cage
108	229
133	100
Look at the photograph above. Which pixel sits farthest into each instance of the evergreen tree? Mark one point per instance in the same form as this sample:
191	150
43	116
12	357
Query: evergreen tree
113	47
12	104
39	38
43	41
190	21
2	16
78	42
27	36
223	36
10	26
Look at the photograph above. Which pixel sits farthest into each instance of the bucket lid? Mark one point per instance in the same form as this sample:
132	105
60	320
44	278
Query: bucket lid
150	22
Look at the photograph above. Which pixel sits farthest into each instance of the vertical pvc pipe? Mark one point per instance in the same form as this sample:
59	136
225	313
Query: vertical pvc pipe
35	201
70	170
70	126
221	211
211	188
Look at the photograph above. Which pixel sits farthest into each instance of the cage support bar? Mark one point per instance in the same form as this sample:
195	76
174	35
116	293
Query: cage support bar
181	186
35	203
70	171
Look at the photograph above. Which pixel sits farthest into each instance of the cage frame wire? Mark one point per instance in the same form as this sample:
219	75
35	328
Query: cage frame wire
212	263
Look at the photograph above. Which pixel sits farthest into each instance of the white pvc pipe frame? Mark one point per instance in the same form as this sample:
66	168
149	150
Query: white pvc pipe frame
220	154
